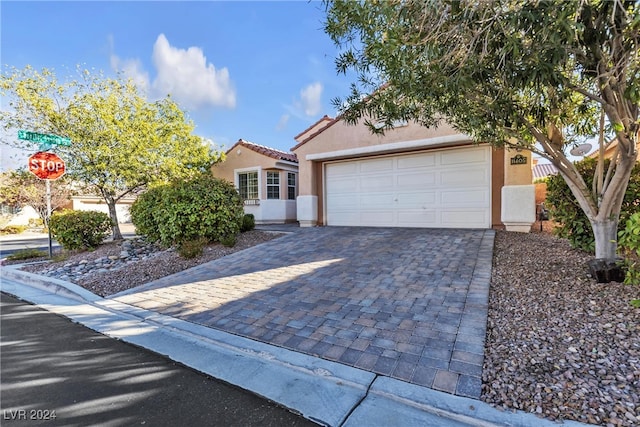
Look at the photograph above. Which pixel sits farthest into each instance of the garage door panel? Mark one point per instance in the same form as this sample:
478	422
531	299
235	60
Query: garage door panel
416	200
419	218
416	180
466	156
375	201
377	218
441	188
341	184
380	165
340	169
417	161
377	183
467	218
470	197
464	177
341	202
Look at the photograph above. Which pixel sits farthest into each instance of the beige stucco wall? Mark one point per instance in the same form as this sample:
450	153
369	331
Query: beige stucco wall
241	158
244	159
340	136
518	174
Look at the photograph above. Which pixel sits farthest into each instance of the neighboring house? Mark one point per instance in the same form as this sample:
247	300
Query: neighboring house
540	172
97	203
266	178
610	150
410	177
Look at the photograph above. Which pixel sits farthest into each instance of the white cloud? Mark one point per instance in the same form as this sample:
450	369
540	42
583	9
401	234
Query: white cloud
182	73
186	75
282	123
310	99
132	68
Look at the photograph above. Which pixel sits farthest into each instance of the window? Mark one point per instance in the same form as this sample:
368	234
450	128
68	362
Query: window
248	185
291	185
273	185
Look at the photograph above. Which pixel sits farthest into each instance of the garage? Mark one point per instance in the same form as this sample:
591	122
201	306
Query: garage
446	188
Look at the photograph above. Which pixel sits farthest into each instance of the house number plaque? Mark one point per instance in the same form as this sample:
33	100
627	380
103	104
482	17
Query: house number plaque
519	159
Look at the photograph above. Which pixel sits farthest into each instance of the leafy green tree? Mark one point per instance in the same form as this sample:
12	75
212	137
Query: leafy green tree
121	143
540	75
20	188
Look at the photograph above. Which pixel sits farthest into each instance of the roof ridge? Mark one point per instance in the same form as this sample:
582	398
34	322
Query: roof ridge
267	151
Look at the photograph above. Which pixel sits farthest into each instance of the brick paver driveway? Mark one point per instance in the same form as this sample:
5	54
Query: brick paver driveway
405	303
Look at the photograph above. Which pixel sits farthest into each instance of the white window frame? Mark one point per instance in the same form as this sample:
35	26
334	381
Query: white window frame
294	186
273	185
246	172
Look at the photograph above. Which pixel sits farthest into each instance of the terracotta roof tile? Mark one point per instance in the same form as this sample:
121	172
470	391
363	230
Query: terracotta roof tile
267	151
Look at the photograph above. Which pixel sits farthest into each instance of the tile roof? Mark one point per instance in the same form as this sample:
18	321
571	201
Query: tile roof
267	151
543	170
324	118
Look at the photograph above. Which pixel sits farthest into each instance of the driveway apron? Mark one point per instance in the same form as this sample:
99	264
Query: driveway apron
405	303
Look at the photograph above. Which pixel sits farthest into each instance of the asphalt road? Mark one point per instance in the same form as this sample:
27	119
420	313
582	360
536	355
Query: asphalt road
58	373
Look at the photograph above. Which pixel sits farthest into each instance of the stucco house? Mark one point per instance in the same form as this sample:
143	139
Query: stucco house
411	176
266	178
88	202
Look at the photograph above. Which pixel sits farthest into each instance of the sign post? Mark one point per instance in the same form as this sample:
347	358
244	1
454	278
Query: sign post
46	166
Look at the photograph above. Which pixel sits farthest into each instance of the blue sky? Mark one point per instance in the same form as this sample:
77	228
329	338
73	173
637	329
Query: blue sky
262	71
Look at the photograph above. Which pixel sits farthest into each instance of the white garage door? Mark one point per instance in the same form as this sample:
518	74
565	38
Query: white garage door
439	188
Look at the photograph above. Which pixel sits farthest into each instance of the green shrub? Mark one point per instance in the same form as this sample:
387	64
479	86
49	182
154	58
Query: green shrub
145	213
185	210
80	229
12	229
192	248
629	245
248	223
573	224
229	240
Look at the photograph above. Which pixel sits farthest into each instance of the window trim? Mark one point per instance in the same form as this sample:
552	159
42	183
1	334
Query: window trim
257	183
273	186
290	186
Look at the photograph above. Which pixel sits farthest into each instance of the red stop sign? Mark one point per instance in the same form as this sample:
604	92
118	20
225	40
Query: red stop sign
46	165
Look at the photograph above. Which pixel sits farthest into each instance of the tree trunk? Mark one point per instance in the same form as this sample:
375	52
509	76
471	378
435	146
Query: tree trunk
606	236
606	266
116	234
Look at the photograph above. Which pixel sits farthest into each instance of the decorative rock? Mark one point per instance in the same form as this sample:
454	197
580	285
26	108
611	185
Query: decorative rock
132	250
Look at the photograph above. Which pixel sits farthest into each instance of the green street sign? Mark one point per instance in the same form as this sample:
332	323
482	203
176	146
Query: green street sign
43	138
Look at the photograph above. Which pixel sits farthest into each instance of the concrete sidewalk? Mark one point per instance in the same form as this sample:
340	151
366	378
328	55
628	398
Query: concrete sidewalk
324	391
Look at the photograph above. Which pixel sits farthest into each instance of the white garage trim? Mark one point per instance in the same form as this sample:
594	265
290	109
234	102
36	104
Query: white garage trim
444	188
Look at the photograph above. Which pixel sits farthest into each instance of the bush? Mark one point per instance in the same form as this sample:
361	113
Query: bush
186	210
80	229
248	223
192	248
573	224
629	245
145	213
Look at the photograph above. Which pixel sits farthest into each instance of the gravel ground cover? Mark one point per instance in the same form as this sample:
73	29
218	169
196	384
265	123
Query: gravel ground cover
558	344
157	265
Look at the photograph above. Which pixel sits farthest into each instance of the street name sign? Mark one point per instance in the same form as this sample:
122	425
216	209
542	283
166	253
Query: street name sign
45	140
46	165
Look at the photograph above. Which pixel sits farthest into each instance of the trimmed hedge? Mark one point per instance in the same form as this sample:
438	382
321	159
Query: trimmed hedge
203	207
